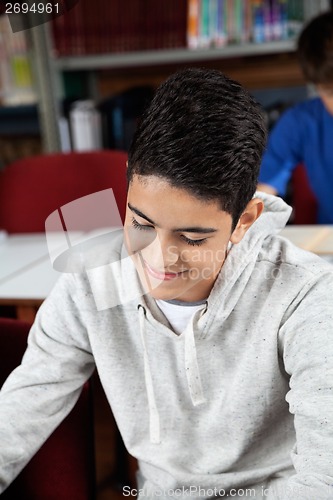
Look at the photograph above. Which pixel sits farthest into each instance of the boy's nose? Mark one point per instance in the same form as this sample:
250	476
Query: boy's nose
161	254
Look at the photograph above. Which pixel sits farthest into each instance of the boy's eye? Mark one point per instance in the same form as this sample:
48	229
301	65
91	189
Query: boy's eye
194	242
137	225
145	227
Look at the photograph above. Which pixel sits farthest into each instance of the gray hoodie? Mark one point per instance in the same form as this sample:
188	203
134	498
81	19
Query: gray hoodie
240	404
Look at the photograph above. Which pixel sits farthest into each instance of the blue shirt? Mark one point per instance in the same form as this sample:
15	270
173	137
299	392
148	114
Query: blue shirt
304	134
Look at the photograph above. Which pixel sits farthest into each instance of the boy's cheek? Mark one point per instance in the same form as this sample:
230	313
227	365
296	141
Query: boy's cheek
137	240
206	257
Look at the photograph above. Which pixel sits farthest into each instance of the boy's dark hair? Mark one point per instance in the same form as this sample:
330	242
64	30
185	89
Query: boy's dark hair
315	49
203	133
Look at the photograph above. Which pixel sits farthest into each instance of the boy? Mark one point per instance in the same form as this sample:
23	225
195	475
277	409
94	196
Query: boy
198	334
303	135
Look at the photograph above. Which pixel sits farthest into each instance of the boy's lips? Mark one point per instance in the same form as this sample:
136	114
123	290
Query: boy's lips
161	275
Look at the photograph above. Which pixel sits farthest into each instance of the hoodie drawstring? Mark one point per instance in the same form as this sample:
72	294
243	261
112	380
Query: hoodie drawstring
154	418
192	367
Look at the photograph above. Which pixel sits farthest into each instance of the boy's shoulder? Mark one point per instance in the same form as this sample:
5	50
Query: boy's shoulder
305	116
297	262
312	107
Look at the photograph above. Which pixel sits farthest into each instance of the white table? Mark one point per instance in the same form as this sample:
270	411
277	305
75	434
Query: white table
27	275
316	238
26	272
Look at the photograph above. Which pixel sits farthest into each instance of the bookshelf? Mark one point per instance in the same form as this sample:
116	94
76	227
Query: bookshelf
149	33
266	65
253	62
27	86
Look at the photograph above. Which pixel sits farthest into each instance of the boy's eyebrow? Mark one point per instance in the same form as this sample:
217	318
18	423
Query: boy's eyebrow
203	230
140	214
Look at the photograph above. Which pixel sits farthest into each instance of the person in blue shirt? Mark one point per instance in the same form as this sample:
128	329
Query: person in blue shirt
304	133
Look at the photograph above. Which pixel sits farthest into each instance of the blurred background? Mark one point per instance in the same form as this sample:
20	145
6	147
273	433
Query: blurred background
76	75
80	79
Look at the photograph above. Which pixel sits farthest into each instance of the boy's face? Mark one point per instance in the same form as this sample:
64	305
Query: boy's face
177	241
325	92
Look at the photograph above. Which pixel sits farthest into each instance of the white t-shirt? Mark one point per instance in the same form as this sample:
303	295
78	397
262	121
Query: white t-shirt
179	313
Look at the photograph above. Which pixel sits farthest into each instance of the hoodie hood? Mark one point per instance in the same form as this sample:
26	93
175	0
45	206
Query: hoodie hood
242	258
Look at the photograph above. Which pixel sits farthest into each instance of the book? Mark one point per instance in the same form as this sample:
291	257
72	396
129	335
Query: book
238	21
220	38
106	26
193	19
247	21
258	29
204	34
16	77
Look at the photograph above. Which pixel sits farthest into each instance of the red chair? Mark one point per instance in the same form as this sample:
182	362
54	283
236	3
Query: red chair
303	200
64	467
32	188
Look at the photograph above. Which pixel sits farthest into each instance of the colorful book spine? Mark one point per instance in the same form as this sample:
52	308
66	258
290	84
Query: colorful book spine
204	34
247	21
258	29
221	24
238	21
193	19
212	21
268	31
229	13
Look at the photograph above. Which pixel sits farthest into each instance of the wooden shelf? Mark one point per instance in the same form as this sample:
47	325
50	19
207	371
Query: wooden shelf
169	56
255	72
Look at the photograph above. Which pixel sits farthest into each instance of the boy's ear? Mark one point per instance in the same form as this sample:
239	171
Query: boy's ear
251	213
